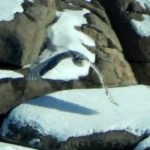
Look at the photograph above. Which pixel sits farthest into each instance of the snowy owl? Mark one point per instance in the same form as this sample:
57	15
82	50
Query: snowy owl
40	68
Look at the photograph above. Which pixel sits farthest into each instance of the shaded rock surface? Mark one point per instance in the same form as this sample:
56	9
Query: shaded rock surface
111	140
25	33
142	71
136	47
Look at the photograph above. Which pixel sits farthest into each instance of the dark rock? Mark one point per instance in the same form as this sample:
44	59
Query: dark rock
120	12
110	140
136	48
25	34
142	72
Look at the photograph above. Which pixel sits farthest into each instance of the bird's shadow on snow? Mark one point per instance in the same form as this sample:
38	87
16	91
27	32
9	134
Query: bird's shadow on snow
61	105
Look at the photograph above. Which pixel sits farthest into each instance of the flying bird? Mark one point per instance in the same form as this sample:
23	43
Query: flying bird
39	69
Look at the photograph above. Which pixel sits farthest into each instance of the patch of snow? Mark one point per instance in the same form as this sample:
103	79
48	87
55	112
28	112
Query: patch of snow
142	27
145	4
66	70
10	74
143	144
88	0
8	8
35	141
5	146
74	113
70	4
63	36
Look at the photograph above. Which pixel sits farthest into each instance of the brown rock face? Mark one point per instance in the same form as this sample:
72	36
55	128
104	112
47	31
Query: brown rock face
136	47
109	55
115	68
142	70
22	38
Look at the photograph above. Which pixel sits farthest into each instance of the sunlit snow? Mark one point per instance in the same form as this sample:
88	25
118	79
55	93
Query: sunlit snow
63	36
74	113
143	144
142	27
10	74
66	70
9	7
88	0
145	4
5	146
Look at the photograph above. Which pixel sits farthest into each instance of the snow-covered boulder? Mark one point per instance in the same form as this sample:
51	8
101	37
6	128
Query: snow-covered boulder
6	146
82	118
23	29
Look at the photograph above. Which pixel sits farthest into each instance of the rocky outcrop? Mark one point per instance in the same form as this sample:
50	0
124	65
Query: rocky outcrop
121	13
109	55
25	33
110	140
136	47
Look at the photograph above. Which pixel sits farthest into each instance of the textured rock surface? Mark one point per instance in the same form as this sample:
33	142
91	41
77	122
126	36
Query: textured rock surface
111	140
109	56
26	33
136	48
142	71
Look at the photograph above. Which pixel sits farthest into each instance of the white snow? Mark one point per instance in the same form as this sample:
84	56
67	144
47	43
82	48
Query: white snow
10	74
5	146
143	144
66	70
63	37
88	0
34	141
142	27
8	8
145	4
80	112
